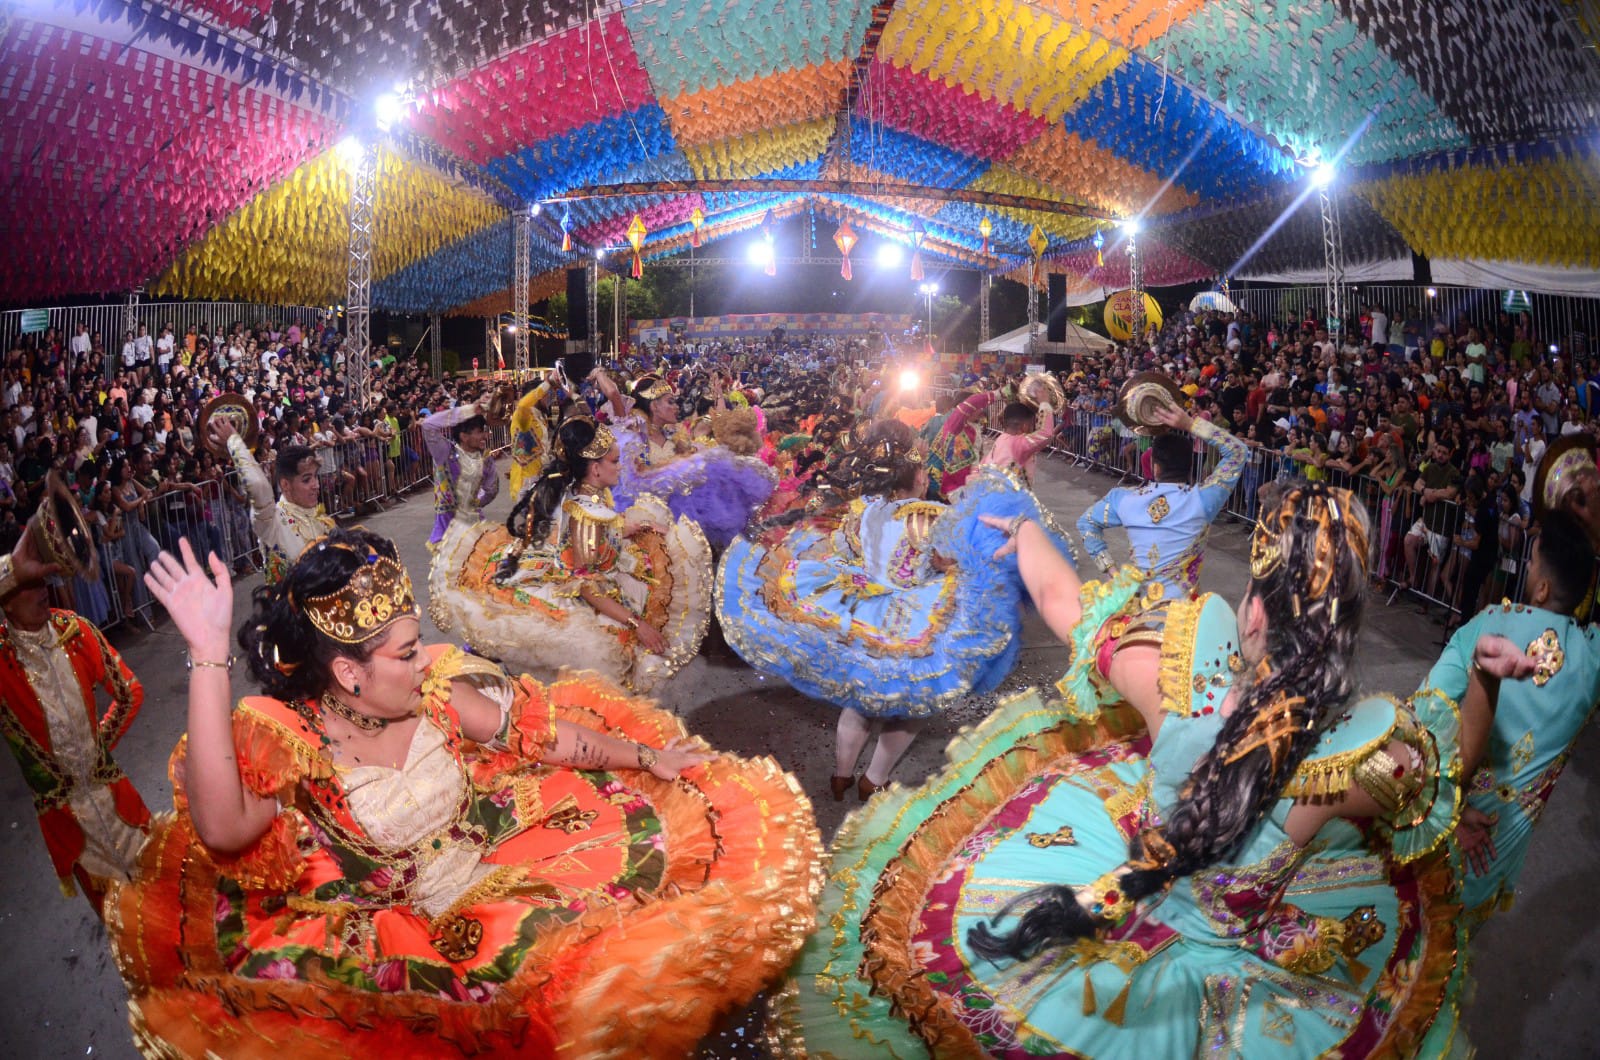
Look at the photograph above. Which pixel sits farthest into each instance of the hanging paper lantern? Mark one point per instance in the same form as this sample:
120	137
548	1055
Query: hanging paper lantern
1119	315
697	219
918	234
566	229
845	239
1099	244
636	232
1037	243
985	229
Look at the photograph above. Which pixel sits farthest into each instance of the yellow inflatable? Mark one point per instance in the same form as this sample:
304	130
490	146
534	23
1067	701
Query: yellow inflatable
1119	311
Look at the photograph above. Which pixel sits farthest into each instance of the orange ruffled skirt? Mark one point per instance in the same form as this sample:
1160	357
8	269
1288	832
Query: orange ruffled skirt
673	904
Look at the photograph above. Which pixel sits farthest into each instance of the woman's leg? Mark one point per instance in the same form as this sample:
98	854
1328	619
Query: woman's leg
124	575
849	738
893	742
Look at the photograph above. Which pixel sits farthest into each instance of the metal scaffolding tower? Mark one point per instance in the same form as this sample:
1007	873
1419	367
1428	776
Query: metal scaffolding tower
984	284
1135	293
436	345
358	289
521	276
594	305
1033	315
130	323
1333	259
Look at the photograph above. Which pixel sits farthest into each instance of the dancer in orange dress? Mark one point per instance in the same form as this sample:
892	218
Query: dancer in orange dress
402	849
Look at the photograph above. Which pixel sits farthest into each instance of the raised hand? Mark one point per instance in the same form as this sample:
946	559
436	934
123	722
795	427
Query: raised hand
1003	524
1174	417
28	564
1498	657
200	603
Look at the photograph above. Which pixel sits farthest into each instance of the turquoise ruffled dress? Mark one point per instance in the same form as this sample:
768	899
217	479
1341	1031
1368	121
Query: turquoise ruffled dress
850	607
1343	947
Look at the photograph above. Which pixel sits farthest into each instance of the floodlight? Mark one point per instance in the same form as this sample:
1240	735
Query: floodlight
387	109
909	380
1323	175
890	256
760	253
350	149
1433	292
1131	226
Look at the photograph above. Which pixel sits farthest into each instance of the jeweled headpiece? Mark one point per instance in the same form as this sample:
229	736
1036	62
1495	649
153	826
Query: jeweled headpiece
600	445
650	387
1325	507
376	597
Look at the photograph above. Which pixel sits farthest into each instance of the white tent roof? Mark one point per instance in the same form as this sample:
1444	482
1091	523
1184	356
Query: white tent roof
1079	339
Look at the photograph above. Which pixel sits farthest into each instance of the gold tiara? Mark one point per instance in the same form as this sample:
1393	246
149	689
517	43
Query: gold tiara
375	598
659	388
1338	505
600	445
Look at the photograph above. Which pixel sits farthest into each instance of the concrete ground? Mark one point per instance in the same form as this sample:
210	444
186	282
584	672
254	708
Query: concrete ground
1536	971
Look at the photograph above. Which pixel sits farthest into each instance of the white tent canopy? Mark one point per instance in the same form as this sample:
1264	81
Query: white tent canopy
1079	340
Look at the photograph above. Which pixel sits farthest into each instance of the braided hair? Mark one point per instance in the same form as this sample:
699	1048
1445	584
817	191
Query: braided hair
1308	567
534	511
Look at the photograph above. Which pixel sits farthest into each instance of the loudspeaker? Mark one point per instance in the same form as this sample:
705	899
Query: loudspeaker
1057	362
1055	328
578	305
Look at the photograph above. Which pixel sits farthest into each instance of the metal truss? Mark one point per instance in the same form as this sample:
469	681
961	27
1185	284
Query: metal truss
521	276
358	288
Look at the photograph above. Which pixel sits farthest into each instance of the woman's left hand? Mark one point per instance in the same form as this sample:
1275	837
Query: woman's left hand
1001	523
678	755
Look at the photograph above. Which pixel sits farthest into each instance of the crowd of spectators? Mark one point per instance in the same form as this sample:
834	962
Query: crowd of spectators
119	427
1438	424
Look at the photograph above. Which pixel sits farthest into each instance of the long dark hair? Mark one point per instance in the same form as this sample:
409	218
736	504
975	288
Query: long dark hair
1308	563
884	462
287	654
531	516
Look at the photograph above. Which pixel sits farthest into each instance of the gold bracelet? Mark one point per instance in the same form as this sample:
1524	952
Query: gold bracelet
191	663
647	755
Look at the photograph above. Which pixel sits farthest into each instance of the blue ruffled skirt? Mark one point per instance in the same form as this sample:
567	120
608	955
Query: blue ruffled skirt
793	608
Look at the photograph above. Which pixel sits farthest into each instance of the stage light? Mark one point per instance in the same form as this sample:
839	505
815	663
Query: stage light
535	210
599	252
1433	292
909	379
1131	226
387	109
350	149
1323	175
890	256
760	253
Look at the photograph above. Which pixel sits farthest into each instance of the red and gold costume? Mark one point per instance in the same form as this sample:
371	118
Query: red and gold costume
92	818
473	900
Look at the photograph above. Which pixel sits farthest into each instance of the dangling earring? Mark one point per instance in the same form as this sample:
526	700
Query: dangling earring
355	690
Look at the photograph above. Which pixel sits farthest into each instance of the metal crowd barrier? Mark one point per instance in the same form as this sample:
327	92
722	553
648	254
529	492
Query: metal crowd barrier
1100	442
217	518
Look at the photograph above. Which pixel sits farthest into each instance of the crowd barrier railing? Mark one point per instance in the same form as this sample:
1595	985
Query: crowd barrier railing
1415	550
216	517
